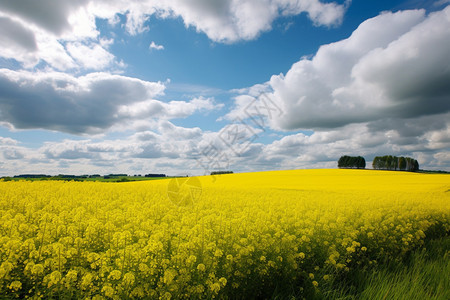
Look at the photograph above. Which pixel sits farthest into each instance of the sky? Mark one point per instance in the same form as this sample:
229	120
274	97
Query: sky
193	86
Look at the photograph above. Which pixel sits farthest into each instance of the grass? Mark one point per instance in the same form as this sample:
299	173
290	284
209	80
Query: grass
423	274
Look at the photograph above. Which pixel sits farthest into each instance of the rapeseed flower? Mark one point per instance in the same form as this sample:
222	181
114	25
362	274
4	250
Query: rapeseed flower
130	240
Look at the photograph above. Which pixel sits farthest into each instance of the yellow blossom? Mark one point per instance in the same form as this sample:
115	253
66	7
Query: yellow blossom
106	240
201	267
15	285
108	291
223	281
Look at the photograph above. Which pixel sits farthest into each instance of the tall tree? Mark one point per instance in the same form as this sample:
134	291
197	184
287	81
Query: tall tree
402	163
389	162
353	162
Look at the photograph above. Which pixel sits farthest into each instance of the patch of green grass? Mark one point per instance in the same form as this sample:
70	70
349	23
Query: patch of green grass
423	274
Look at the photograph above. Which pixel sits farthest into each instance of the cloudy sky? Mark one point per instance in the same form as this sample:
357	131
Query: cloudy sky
192	86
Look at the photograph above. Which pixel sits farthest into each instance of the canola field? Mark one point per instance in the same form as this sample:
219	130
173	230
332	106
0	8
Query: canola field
236	236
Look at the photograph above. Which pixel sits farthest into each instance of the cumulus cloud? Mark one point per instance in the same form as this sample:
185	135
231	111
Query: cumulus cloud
232	20
155	46
86	104
12	154
91	56
7	141
63	35
153	109
34	32
11	150
383	90
75	150
173	132
139	152
16	39
35	25
392	66
47	14
172	149
425	138
62	102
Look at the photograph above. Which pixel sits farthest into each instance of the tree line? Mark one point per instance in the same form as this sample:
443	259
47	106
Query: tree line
389	162
221	172
352	162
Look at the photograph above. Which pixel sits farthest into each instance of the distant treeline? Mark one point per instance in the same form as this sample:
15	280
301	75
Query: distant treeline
75	177
32	176
352	162
221	172
65	176
389	162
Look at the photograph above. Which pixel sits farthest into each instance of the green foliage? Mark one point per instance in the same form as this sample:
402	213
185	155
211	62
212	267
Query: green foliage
221	172
353	162
402	163
389	162
423	274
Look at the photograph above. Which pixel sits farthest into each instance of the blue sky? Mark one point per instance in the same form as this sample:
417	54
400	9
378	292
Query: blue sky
172	87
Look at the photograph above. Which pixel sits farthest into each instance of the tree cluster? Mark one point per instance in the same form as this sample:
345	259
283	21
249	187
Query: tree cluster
352	162
221	172
389	162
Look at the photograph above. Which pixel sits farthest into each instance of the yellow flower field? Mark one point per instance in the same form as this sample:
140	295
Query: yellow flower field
226	236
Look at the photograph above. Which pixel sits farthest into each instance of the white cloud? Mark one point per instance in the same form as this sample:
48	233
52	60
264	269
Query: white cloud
232	20
441	2
425	138
171	149
153	45
33	32
7	141
17	41
391	66
409	73
47	14
38	32
384	90
53	53
11	151
93	56
320	13
181	109
87	104
166	110
58	101
175	133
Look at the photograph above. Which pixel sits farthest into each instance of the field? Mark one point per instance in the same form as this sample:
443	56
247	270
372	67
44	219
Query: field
238	236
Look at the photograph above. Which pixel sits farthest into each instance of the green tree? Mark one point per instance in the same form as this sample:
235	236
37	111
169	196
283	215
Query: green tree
402	163
353	162
416	165
389	162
